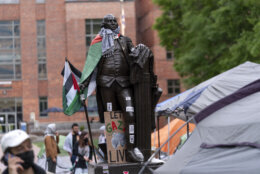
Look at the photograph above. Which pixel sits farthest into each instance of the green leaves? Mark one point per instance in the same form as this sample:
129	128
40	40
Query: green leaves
209	36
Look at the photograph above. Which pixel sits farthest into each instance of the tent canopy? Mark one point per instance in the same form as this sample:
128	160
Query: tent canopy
174	142
199	97
226	133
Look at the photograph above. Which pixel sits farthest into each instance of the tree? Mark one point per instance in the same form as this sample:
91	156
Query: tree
209	36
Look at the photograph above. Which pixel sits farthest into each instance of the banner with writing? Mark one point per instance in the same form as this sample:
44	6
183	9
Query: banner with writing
115	136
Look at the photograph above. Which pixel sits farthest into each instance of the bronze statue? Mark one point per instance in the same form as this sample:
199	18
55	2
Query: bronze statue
115	90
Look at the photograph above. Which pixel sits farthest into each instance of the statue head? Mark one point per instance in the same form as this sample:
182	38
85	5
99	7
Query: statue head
109	22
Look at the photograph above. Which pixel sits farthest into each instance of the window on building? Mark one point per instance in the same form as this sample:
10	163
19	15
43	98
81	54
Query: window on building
169	55
92	29
40	1
9	1
173	86
11	105
41	50
10	114
10	56
43	101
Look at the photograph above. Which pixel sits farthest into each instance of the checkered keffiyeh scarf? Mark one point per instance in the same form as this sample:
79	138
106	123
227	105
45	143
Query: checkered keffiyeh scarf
108	41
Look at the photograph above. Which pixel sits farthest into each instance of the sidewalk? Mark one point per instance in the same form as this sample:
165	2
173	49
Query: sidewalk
63	164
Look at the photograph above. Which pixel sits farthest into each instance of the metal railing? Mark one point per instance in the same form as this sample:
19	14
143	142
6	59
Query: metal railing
159	149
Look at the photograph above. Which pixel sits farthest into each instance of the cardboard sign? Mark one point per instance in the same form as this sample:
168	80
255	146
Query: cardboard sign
115	135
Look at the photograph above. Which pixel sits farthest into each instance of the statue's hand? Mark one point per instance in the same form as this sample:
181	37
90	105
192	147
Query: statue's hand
82	87
136	51
141	46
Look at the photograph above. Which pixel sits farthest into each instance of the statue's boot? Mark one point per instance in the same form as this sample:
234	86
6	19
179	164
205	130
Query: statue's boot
133	153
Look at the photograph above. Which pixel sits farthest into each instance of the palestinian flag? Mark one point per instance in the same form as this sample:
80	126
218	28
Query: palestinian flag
71	91
94	56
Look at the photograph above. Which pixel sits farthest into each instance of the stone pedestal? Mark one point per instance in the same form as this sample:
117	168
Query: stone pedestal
128	168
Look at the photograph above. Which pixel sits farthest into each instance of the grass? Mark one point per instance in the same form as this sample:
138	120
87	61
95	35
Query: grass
95	142
42	149
40	144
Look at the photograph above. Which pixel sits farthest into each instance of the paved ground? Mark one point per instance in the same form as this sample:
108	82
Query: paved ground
63	164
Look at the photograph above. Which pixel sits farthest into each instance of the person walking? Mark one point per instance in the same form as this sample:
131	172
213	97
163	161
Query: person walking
51	141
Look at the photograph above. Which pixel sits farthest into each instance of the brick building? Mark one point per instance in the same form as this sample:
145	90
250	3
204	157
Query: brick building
37	35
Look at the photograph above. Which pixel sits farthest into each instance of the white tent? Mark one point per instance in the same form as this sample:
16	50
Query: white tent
227	136
195	99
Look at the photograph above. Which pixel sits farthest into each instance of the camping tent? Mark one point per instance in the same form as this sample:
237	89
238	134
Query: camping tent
226	138
175	141
195	99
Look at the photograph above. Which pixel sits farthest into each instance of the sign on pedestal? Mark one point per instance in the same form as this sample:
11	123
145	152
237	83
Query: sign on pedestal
115	136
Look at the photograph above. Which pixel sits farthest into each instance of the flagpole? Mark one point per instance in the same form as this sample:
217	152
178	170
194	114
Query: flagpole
122	17
82	98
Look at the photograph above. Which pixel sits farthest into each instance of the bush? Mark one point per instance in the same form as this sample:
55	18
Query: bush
81	128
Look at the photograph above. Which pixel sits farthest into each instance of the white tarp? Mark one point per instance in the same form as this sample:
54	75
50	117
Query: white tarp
227	140
206	93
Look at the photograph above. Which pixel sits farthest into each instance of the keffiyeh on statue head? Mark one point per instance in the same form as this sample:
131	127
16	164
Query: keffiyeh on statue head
109	31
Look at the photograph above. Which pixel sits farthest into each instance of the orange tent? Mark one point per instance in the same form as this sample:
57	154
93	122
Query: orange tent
174	142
